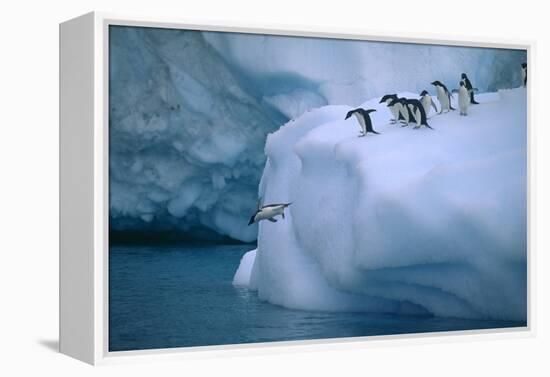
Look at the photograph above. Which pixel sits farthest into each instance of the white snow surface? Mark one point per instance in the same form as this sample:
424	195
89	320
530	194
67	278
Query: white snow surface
408	221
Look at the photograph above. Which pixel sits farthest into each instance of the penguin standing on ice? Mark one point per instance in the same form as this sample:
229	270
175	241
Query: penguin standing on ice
470	88
524	74
427	101
363	118
399	105
268	212
387	99
405	114
443	95
463	98
417	109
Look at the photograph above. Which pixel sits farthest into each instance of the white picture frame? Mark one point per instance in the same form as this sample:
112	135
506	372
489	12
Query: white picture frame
84	189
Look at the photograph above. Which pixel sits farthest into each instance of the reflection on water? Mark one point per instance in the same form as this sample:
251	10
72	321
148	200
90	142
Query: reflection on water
162	297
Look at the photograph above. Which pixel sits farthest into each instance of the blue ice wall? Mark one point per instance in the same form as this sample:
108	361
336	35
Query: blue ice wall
190	112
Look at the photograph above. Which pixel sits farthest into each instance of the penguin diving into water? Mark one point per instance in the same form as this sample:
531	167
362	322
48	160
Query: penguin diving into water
443	95
268	212
427	101
470	88
524	74
363	118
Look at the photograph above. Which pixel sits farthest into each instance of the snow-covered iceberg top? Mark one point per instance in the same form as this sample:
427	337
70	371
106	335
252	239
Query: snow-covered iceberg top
409	221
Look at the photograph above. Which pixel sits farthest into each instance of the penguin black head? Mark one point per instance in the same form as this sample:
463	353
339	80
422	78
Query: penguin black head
424	92
463	76
436	83
387	97
395	101
523	65
358	110
462	83
350	113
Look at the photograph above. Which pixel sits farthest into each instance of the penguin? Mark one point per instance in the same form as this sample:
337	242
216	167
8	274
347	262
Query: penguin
268	212
427	101
524	74
470	88
417	109
395	112
463	98
405	114
363	118
444	96
399	105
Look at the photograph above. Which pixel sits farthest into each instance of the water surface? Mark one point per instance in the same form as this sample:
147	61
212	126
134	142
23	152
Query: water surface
174	296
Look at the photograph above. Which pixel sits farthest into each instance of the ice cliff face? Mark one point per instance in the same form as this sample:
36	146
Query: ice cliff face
409	221
190	112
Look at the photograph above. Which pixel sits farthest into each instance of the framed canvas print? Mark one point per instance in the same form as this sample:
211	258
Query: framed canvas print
225	187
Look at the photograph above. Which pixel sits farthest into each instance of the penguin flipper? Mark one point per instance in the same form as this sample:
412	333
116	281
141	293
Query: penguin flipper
272	220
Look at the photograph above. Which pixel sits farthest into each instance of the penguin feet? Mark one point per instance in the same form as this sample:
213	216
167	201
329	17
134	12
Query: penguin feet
416	127
474	103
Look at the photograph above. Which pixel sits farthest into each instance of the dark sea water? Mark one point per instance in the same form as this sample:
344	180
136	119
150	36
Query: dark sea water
161	297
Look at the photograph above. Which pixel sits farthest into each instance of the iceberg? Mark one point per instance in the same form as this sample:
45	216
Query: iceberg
429	222
190	112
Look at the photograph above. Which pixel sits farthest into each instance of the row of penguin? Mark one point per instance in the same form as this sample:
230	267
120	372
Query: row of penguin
406	110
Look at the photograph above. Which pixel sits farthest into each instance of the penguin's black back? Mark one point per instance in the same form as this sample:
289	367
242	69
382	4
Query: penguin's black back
467	83
418	105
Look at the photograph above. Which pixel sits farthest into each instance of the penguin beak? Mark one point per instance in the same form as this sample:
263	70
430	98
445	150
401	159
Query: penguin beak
348	115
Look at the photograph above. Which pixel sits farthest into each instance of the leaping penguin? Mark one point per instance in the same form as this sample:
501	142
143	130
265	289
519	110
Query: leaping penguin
443	95
470	88
268	212
363	118
427	101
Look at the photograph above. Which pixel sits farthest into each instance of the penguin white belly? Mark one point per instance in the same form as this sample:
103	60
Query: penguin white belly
426	103
361	122
268	213
463	100
443	99
394	112
403	111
